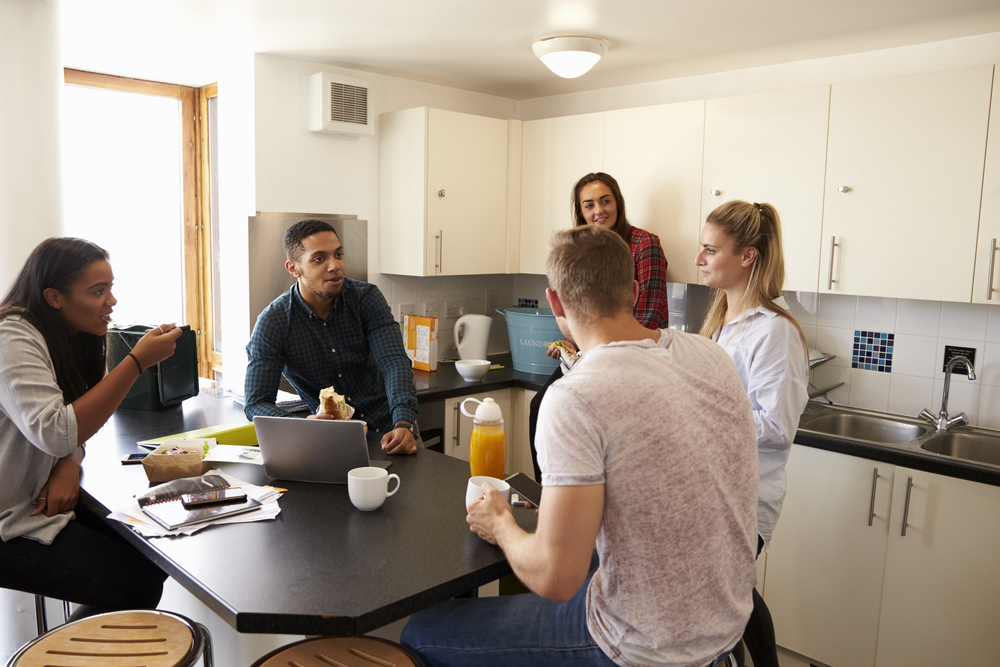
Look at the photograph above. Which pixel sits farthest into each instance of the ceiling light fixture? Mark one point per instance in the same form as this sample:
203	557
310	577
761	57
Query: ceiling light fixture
570	56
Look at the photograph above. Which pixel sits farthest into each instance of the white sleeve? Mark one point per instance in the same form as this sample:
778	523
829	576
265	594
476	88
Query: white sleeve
569	440
777	385
29	394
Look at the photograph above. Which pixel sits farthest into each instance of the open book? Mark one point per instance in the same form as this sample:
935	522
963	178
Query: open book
163	503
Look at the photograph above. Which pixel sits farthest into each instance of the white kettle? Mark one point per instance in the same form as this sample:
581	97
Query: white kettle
472	336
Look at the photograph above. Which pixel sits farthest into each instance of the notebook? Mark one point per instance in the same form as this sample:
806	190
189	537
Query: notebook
311	450
163	503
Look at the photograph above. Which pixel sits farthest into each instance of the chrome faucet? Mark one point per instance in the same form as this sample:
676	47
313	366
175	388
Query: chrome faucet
941	421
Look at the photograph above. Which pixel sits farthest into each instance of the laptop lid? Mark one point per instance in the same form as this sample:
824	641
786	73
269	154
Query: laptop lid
311	450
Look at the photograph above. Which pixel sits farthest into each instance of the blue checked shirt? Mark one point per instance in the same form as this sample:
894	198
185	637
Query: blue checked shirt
358	350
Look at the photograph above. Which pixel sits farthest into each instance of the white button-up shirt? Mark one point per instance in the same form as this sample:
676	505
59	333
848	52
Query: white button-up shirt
773	364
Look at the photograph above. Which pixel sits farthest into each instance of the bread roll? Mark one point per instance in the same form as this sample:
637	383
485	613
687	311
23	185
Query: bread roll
332	403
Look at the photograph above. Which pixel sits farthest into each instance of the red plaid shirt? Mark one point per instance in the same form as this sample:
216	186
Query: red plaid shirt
651	272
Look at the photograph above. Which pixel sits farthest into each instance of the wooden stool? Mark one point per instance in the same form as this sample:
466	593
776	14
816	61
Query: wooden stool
119	639
346	651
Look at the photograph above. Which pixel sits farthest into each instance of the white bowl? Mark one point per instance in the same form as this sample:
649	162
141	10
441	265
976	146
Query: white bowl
472	370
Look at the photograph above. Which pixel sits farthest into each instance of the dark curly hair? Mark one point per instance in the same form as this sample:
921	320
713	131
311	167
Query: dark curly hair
303	229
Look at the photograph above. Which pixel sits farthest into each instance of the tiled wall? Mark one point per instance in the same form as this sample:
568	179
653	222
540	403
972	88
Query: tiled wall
408	289
920	330
911	378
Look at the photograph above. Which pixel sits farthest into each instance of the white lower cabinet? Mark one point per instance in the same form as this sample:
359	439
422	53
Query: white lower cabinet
458	427
852	595
941	595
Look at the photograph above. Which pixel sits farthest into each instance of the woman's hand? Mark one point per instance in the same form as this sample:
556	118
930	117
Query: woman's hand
158	344
62	489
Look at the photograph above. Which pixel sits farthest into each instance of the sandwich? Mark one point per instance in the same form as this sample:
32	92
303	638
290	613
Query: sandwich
568	354
332	403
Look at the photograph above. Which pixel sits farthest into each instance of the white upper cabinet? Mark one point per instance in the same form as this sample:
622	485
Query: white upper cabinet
986	286
655	155
903	185
555	153
442	193
771	147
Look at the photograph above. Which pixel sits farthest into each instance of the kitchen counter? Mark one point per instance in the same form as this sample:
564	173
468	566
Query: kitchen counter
905	454
445	382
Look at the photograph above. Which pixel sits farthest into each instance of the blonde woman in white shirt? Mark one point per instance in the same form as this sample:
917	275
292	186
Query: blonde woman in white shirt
741	258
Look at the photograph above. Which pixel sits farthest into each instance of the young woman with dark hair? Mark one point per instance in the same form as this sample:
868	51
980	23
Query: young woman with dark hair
54	395
741	259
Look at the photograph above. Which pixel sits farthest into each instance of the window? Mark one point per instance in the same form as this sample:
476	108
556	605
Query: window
139	180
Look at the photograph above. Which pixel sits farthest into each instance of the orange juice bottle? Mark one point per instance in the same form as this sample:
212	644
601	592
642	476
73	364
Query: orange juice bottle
488	446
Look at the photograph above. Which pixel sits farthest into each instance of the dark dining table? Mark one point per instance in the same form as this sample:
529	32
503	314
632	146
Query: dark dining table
322	567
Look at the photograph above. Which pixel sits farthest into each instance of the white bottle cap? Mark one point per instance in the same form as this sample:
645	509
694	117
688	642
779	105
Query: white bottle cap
488	409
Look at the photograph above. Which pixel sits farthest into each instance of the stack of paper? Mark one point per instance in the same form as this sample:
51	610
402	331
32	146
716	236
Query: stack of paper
267	496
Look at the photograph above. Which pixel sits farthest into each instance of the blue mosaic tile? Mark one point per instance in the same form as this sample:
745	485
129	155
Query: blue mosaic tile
872	351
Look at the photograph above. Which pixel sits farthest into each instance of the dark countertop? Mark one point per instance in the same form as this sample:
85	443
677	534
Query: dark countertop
445	382
908	455
322	567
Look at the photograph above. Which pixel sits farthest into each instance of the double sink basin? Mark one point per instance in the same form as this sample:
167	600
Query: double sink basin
961	442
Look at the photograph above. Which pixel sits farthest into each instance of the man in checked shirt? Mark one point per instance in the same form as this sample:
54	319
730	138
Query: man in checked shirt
330	330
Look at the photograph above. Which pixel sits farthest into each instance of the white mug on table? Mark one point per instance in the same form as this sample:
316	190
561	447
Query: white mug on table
369	487
475	488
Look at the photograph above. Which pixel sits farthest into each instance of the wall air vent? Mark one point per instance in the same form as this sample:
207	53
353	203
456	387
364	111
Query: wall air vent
340	105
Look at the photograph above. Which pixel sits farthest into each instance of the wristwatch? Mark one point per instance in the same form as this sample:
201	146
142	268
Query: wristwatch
412	428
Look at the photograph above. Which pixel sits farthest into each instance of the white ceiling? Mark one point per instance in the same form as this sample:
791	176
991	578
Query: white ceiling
485	45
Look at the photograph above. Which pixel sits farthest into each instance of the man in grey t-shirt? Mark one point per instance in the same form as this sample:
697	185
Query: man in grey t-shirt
648	450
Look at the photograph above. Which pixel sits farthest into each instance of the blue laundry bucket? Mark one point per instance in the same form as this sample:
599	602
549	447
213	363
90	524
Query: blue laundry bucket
530	331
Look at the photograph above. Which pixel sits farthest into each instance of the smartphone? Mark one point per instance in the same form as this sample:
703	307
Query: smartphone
132	459
216	497
526	487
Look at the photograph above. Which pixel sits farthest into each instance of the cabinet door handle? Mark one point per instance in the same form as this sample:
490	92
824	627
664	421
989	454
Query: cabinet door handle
439	250
871	506
716	192
458	424
833	245
989	275
906	505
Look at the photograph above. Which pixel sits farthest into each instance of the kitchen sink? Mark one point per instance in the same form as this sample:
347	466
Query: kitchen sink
865	427
968	446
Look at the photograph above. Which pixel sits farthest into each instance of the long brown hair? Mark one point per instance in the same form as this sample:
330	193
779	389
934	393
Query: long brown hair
78	358
754	226
621	226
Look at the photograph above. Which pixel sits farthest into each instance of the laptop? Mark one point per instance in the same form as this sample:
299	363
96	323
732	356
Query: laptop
311	450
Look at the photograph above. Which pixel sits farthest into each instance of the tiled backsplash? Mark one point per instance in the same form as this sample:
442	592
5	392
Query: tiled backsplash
915	333
918	332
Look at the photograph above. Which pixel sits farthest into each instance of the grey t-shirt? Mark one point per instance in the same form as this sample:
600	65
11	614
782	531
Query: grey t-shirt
36	430
667	428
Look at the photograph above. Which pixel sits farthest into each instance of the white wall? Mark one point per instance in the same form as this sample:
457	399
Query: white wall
30	209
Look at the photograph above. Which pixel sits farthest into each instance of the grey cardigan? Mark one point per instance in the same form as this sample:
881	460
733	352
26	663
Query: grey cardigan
36	430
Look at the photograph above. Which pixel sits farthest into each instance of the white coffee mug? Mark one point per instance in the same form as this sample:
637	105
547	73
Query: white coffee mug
369	487
475	488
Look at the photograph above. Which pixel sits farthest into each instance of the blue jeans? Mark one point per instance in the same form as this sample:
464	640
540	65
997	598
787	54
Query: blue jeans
522	630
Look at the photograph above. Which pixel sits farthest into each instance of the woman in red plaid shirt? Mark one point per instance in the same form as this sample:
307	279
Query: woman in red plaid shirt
597	200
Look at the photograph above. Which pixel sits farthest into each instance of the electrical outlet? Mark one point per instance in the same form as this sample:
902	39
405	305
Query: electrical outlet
432	309
491	300
453	309
406	309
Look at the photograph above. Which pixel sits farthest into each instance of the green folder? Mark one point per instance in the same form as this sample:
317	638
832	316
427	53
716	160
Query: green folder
226	434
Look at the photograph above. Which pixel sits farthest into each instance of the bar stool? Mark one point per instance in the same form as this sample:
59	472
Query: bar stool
326	651
41	618
118	639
